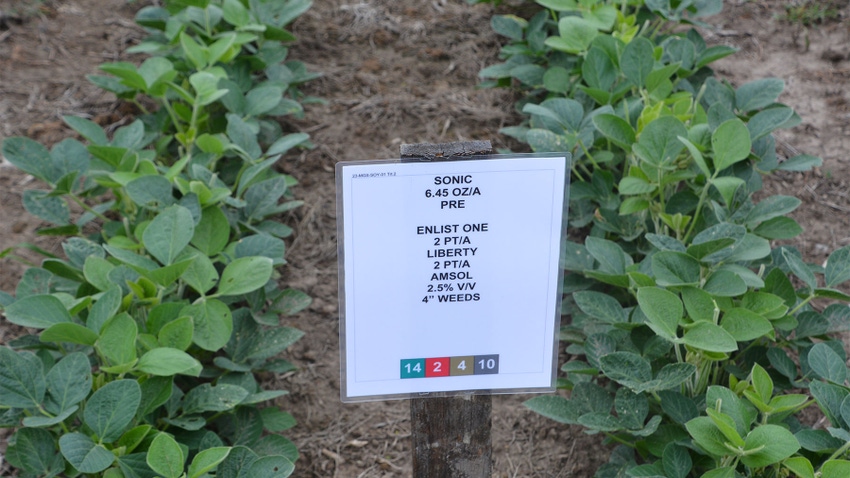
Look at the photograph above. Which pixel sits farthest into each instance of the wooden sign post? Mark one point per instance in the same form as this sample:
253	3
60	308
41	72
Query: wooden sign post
451	435
450	289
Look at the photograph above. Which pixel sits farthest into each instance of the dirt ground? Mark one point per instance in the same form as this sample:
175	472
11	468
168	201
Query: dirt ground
405	71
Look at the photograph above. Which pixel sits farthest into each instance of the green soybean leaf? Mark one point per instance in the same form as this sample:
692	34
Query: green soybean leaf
724	283
669	377
112	407
802	467
676	461
838	267
68	382
211	143
34	451
213	323
827	364
699	304
557	408
700	250
155	71
600	306
34	282
213	398
697	155
745	325
243	136
150	191
235	13
274	466
602	17
207	460
167	361
679	407
576	35
167	275
29	156
545	141
775	443
750	248
557	79
510	26
96	271
758	94
177	333
663	310
237	464
194	52
262	197
287	142
727	186
659	142
771	207
261	245
766	121
726	425
165	456
117	340
275	341
611	257
276	420
799	268
731	404
50	208
262	99
169	233
835	469
84	454
762	383
781	227
627	368
244	275
134	465
731	143
710	338
291	301
675	268
22	381
201	274
69	332
104	309
38	311
87	128
618	130
637	61
707	436
206	87
801	162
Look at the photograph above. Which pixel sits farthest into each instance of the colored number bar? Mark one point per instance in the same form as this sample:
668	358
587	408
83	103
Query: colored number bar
450	366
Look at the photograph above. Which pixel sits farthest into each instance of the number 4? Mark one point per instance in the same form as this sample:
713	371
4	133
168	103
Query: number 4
461	365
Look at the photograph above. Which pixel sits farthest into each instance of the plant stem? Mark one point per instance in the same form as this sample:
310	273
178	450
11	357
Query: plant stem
802	304
87	208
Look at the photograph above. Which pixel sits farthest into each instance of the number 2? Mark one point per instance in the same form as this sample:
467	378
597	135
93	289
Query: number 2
438	367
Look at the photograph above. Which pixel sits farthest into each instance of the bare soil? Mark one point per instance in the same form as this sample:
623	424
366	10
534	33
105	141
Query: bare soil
404	71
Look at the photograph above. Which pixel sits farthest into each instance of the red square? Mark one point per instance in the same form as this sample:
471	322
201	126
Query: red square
437	367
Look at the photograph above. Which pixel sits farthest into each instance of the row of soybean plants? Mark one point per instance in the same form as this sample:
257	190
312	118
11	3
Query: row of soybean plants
149	332
694	342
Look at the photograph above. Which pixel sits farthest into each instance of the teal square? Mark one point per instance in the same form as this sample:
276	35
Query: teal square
413	368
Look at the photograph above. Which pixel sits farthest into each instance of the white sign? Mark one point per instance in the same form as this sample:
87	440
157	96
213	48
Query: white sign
449	275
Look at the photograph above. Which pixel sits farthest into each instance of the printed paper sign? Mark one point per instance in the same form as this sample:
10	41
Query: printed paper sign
449	275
